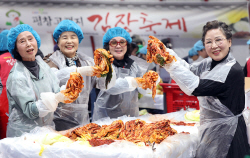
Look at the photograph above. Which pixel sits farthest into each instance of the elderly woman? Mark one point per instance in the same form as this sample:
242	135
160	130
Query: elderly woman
218	82
121	99
68	36
29	80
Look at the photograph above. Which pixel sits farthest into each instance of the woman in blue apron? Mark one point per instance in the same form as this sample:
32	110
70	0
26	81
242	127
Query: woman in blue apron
218	82
32	88
122	97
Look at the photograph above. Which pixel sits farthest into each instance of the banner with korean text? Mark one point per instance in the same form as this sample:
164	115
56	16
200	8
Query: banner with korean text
179	22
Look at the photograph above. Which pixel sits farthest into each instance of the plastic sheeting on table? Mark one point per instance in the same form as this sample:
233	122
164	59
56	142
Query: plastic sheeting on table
176	146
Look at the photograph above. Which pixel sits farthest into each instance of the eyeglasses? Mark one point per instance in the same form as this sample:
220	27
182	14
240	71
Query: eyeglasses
218	42
114	43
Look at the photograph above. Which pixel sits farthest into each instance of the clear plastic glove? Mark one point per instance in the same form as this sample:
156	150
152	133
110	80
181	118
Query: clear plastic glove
186	79
132	82
86	70
182	62
49	100
167	67
42	108
60	97
63	87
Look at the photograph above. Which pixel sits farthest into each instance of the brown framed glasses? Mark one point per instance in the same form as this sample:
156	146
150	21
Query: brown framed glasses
114	43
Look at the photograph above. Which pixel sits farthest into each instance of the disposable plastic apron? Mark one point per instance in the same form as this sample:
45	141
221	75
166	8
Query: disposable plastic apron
114	106
18	121
74	114
217	123
217	128
71	115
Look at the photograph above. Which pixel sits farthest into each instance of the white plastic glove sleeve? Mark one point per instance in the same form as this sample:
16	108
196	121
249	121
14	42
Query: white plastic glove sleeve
182	62
148	91
49	100
132	82
85	70
113	80
60	97
63	87
43	110
186	79
121	86
64	74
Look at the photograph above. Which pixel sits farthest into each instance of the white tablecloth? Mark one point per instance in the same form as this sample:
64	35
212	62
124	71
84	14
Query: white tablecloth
179	145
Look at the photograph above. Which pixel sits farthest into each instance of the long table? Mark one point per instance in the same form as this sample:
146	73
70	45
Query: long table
179	145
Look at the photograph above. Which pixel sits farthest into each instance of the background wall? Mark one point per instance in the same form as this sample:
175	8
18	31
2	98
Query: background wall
181	44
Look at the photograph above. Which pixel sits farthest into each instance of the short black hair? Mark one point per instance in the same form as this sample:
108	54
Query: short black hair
167	42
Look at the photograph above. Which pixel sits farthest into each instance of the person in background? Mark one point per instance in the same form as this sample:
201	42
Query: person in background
167	42
218	82
246	68
4	32
192	56
56	47
6	64
138	41
142	54
135	48
32	88
199	47
67	59
121	99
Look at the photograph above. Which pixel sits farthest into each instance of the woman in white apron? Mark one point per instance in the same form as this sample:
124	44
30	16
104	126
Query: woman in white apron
122	97
67	59
218	82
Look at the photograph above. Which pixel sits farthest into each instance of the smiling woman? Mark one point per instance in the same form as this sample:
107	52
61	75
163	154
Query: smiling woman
216	44
68	36
29	80
68	43
26	46
218	82
121	99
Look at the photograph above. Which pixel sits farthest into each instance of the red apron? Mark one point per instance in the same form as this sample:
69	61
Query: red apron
4	108
6	64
